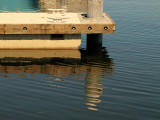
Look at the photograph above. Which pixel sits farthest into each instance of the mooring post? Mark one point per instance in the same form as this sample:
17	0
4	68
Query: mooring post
95	10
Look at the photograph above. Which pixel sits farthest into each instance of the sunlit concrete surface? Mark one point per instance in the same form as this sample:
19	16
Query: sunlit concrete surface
40	42
38	18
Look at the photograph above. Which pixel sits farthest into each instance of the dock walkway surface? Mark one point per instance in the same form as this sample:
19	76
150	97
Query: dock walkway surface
54	23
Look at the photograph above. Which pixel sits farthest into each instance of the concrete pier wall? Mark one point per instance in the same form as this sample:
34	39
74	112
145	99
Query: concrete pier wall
40	41
95	8
68	5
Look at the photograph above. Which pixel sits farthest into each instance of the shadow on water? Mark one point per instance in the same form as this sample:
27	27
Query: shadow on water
94	65
34	4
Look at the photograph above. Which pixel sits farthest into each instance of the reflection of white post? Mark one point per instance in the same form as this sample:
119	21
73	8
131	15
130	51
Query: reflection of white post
95	8
93	87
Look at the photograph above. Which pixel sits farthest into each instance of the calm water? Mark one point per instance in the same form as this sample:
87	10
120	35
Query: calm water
119	82
19	5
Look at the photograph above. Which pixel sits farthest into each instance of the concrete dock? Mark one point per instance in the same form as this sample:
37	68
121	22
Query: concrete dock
54	29
54	23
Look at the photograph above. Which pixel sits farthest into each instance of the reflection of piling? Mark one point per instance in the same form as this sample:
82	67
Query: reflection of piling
93	89
99	65
59	65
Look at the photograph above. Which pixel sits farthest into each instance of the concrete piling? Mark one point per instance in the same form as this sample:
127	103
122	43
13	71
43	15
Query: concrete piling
95	8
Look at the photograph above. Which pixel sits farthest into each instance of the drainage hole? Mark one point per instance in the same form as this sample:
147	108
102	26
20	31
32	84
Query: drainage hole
106	28
73	28
89	28
25	28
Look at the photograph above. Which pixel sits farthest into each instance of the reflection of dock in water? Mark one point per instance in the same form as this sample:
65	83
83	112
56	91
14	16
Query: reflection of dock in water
59	63
82	60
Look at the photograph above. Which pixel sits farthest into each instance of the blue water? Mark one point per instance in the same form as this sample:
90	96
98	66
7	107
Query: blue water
119	82
19	5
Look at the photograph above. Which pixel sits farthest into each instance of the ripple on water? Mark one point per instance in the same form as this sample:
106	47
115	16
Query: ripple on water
120	85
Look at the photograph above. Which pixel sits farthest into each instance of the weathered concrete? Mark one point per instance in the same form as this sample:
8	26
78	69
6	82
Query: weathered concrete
67	5
42	29
40	41
95	8
40	54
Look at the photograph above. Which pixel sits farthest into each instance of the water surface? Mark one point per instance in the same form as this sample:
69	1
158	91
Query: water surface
19	6
119	82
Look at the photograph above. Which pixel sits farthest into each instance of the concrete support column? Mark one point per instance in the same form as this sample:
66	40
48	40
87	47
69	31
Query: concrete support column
94	41
95	8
